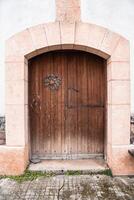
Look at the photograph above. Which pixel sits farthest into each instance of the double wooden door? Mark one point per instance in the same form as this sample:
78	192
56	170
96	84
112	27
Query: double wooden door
66	105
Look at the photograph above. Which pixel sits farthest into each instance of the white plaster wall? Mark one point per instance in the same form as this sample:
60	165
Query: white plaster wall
117	15
16	15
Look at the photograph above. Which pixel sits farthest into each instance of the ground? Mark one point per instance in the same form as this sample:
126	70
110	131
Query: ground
64	187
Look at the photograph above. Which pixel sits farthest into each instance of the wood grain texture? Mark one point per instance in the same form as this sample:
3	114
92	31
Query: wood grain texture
67	122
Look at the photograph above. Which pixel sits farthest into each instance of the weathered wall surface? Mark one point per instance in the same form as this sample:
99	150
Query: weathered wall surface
18	15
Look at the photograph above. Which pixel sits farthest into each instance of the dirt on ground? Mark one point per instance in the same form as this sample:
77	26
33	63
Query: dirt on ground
82	187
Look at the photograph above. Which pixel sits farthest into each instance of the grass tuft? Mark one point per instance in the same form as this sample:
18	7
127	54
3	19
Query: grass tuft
106	172
73	173
29	176
32	175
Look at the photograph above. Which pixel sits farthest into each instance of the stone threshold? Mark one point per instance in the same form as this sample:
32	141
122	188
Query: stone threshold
61	166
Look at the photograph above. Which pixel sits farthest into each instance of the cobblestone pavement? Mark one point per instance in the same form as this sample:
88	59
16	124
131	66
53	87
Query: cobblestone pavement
84	187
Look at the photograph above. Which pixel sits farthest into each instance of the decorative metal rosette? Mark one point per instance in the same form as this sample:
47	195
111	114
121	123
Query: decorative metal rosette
52	81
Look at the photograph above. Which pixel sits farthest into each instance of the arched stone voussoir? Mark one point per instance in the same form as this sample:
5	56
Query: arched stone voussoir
63	35
53	34
19	45
67	31
89	35
109	42
39	38
122	51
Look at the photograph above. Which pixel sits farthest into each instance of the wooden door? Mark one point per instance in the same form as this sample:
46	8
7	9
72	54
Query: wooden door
66	105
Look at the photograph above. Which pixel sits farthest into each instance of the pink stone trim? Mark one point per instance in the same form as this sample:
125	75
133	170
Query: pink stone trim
62	35
68	11
13	160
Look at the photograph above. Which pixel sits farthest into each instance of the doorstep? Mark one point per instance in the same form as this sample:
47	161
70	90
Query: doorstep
89	165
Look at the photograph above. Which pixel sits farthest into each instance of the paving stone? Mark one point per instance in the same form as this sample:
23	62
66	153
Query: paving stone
84	187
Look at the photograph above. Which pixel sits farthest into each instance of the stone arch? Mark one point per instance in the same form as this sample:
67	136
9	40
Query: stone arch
60	35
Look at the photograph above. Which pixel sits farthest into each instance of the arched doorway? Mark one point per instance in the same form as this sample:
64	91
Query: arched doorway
87	37
67	105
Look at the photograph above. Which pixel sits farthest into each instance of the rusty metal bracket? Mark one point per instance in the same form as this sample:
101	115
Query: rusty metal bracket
73	89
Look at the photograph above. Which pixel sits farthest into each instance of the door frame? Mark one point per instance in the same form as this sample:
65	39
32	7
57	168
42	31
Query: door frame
40	39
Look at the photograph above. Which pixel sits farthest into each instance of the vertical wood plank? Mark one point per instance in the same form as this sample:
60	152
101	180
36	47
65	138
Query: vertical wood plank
69	120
